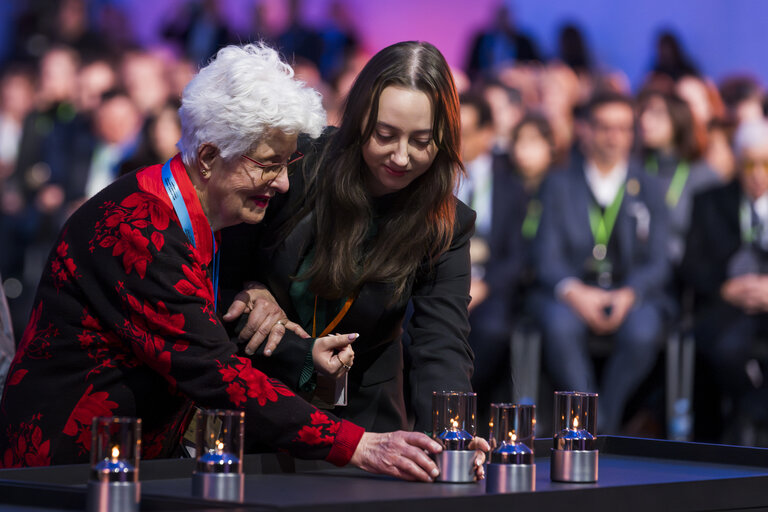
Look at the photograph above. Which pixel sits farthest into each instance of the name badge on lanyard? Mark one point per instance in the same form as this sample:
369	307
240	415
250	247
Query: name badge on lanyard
174	194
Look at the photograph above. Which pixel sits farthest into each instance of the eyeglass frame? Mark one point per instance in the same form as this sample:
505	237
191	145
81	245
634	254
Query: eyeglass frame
266	169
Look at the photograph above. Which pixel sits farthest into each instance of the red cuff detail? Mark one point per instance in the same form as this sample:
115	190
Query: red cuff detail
345	444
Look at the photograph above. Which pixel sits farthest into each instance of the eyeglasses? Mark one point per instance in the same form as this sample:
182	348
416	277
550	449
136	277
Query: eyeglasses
753	165
272	171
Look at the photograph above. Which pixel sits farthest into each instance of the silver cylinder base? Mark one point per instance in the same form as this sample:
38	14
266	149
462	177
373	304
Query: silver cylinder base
456	466
218	486
113	497
504	478
578	466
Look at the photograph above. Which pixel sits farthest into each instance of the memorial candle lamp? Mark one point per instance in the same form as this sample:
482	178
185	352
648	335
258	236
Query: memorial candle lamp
453	426
219	450
115	452
511	465
574	453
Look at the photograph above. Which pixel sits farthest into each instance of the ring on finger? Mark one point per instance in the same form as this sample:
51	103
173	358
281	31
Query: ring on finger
344	365
281	322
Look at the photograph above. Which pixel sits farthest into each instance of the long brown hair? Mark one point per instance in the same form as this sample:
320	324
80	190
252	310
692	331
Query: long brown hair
420	222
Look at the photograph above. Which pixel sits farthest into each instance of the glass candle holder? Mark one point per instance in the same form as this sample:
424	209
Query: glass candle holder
220	441
512	433
115	453
454	419
115	449
575	420
219	452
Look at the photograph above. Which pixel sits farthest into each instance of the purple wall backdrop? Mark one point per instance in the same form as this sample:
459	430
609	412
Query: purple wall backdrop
723	36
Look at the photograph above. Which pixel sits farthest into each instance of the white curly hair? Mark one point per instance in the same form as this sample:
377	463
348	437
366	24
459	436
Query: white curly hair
242	95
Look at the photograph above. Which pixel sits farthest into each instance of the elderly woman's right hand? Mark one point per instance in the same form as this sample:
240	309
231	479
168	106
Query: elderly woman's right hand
265	318
400	454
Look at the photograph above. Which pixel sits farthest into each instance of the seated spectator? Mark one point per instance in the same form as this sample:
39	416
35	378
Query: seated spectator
600	262
743	98
532	155
500	44
494	251
669	150
726	263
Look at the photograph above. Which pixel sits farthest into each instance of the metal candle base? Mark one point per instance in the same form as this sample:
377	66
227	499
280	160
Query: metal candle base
218	486
578	466
504	478
113	497
456	466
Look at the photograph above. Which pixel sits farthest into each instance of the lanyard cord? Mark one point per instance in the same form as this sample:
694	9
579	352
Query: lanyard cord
532	219
174	194
679	179
749	232
602	224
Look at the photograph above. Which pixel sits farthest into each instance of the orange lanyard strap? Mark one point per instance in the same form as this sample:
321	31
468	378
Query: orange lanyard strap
334	322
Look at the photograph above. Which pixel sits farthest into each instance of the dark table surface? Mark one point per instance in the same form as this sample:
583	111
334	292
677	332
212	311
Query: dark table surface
634	474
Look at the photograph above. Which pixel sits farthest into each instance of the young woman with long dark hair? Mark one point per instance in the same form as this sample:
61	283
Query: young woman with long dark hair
379	229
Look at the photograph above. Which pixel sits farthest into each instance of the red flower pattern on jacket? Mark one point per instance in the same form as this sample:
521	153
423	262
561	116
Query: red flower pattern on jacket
244	380
35	341
62	267
89	406
26	446
124	228
322	430
105	348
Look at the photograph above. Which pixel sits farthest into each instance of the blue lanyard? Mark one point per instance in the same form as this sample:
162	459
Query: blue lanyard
174	194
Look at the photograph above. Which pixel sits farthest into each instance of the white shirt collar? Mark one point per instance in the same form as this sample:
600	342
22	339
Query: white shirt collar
605	186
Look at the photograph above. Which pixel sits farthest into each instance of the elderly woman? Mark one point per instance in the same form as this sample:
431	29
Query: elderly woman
125	321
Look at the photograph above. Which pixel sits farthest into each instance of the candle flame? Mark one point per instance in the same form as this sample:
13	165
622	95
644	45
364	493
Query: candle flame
454	423
576	422
512	436
115	452
219	446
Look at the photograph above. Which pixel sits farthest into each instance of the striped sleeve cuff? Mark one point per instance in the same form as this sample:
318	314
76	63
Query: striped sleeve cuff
345	444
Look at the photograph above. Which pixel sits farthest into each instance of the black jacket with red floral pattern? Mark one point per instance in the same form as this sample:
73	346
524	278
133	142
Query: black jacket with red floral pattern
124	324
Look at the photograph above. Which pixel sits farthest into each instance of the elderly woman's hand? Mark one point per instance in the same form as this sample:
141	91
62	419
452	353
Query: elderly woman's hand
333	356
400	454
265	318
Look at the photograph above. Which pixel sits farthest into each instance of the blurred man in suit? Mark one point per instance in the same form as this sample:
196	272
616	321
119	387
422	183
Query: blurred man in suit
726	263
601	264
495	251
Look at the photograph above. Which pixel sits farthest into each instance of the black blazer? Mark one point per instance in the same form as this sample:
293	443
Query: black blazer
439	355
714	237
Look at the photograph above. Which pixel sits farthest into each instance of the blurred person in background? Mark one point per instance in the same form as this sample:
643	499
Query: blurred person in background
299	39
94	161
726	264
532	155
670	151
499	45
95	77
198	29
560	93
494	252
601	265
670	58
17	94
719	152
157	142
506	109
743	99
706	105
143	75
